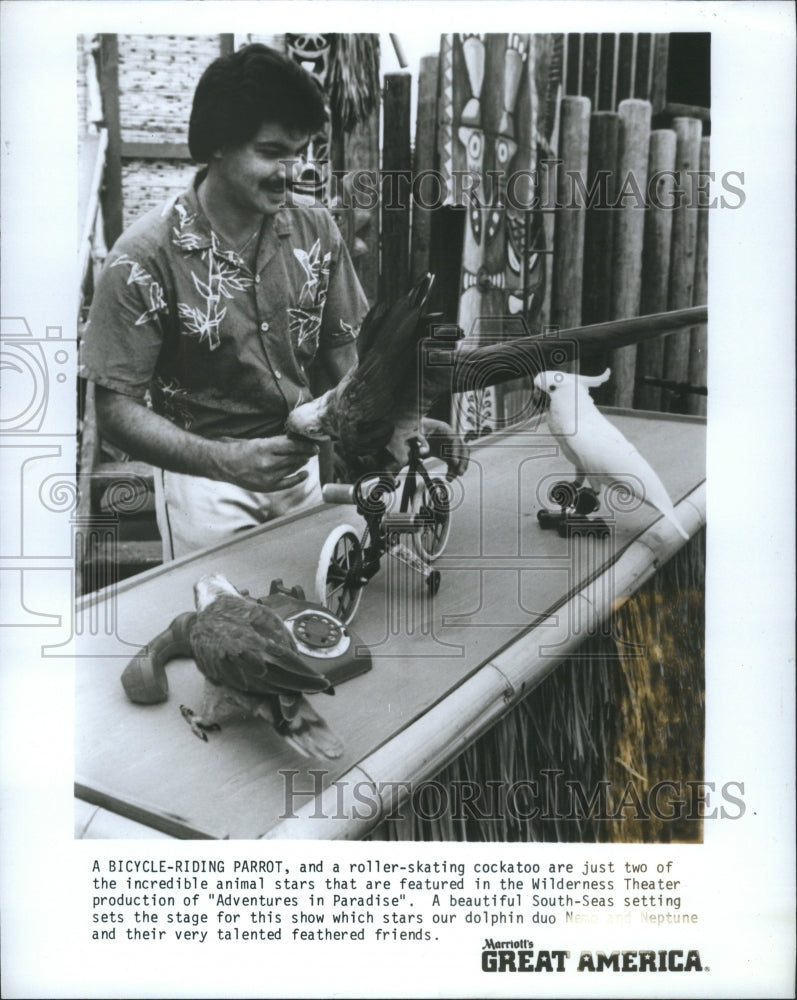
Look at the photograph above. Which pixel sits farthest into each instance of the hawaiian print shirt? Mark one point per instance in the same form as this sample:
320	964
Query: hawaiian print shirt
223	351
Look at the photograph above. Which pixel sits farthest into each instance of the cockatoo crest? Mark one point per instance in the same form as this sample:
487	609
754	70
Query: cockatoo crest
569	398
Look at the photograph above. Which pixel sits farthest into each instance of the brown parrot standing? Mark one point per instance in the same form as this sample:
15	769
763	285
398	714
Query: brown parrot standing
252	668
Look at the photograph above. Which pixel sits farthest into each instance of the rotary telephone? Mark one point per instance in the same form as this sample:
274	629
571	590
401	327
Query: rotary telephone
325	643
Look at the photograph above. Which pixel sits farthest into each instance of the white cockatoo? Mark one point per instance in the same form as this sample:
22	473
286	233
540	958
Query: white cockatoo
595	446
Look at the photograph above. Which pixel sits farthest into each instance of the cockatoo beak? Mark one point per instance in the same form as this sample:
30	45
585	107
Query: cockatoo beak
540	399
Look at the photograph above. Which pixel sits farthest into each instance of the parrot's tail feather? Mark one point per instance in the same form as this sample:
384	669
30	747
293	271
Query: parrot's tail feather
307	732
314	740
663	506
672	517
679	527
311	745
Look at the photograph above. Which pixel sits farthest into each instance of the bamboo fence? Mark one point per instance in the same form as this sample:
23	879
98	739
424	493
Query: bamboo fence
613	120
658	253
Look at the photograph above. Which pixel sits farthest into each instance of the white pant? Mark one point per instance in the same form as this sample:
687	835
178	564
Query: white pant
194	513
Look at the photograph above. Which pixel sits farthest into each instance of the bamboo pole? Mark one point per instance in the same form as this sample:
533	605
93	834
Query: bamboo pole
361	152
642	68
698	341
548	178
419	752
424	161
570	218
398	48
606	73
549	124
589	67
112	187
659	69
604	131
625	67
656	262
629	236
684	246
604	135
498	363
572	67
396	188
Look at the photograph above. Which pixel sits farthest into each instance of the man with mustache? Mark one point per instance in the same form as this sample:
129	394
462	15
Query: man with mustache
211	309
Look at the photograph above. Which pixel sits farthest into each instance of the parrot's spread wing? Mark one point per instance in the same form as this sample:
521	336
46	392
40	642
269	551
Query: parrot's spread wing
362	412
385	382
242	644
369	329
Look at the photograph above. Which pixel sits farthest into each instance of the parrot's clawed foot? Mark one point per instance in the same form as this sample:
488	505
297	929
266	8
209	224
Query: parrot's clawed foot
200	729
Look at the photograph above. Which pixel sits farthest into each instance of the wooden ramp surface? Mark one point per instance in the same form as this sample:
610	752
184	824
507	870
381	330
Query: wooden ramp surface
501	573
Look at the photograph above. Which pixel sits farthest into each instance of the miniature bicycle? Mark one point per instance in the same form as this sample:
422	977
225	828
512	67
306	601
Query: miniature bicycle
348	561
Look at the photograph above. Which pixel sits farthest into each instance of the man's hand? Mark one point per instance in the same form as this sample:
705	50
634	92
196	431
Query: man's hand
445	443
260	464
263	464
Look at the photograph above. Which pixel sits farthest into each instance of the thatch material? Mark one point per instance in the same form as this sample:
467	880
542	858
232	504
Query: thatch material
628	710
353	80
659	718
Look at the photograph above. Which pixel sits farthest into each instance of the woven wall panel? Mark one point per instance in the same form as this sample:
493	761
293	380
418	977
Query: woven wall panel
157	78
148	183
273	41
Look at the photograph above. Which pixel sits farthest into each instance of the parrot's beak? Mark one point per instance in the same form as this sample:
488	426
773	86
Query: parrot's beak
540	400
209	587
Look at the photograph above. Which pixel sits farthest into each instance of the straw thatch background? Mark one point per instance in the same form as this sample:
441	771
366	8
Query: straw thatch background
628	710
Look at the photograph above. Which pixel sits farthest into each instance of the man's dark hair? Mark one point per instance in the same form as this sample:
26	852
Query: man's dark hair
237	93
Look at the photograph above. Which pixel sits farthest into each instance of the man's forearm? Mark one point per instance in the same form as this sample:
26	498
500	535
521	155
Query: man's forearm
149	437
260	464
